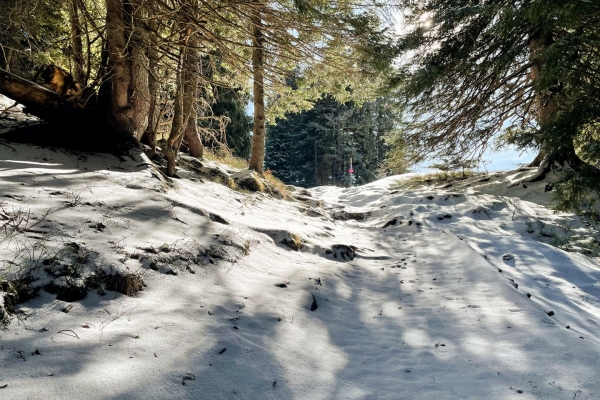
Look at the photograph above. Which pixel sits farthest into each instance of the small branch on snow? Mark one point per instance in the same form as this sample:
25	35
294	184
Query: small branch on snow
68	330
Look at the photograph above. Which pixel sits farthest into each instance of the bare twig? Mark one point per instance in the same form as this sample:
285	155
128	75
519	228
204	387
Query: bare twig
64	332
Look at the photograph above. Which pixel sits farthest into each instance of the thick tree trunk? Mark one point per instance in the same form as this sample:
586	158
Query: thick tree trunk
547	105
537	161
128	63
193	139
76	43
257	158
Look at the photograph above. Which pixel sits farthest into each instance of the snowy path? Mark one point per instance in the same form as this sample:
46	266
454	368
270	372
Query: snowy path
421	312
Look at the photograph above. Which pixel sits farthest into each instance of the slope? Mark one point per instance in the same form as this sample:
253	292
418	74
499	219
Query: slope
418	309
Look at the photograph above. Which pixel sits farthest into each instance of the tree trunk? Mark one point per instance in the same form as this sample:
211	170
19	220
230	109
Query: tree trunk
39	101
547	105
170	147
190	106
257	158
193	139
153	115
76	43
185	114
128	63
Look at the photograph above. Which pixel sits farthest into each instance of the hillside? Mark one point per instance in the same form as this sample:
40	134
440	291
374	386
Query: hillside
423	291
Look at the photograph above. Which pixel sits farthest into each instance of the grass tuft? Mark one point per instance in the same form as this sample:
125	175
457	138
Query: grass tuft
226	158
277	184
437	178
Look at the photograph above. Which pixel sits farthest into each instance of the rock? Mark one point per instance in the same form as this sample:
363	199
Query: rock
345	215
507	257
314	305
248	180
346	252
218	219
310	202
392	222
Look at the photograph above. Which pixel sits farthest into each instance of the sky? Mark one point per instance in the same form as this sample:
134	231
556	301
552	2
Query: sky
506	160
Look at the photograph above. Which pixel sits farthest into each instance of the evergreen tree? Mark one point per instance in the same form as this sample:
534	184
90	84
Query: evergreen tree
318	146
231	103
530	69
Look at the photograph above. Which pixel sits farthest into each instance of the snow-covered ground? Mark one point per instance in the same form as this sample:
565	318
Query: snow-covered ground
451	301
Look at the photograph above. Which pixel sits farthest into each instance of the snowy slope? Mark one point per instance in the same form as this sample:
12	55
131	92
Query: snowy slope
416	310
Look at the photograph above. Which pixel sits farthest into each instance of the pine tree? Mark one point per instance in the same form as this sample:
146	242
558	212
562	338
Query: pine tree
314	147
529	69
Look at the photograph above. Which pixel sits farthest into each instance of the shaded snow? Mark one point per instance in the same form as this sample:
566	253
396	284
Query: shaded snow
421	312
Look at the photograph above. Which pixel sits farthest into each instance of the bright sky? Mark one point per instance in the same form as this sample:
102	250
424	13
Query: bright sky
506	160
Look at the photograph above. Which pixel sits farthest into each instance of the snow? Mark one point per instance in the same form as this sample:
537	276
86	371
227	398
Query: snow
427	309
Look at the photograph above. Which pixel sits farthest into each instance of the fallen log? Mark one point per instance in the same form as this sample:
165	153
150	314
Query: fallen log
40	101
76	122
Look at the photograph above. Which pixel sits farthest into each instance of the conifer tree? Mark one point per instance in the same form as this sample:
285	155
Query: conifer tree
318	146
528	69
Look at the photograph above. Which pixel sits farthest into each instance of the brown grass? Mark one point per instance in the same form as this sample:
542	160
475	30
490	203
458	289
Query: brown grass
277	184
226	158
128	284
437	178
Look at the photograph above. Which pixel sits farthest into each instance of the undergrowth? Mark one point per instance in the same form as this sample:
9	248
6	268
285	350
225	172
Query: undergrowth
226	158
437	178
279	186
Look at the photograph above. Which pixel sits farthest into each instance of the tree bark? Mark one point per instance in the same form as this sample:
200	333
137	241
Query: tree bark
190	100
128	64
153	115
257	157
185	105
547	105
39	101
170	147
76	43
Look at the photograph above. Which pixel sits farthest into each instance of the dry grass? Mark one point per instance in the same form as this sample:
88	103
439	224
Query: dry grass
277	184
293	242
127	283
231	184
438	178
227	159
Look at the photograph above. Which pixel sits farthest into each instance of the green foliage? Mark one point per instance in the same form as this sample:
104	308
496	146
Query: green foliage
336	132
32	32
578	191
447	164
525	73
231	103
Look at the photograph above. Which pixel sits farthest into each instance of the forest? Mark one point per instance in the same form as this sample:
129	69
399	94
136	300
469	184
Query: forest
226	199
372	87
